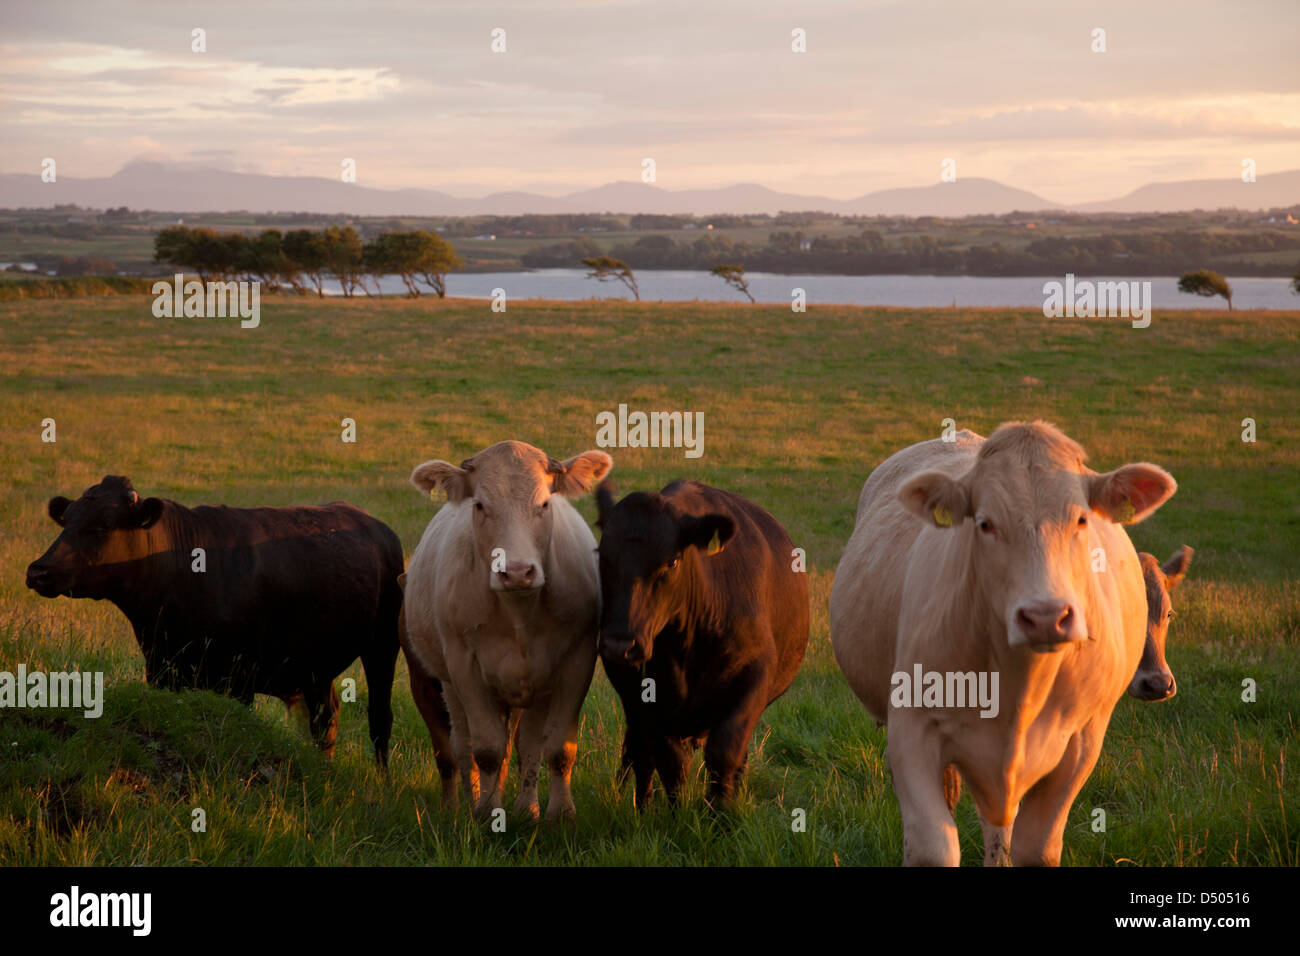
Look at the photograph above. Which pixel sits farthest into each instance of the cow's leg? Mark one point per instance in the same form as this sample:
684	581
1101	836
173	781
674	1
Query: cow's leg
379	665
638	757
427	692
512	733
489	733
726	748
726	756
560	738
462	747
532	727
917	766
323	716
488	723
672	757
1040	825
997	843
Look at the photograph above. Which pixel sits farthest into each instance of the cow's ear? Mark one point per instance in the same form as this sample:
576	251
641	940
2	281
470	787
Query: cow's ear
605	492
56	507
148	512
401	580
700	532
575	477
1130	494
1175	568
936	498
442	475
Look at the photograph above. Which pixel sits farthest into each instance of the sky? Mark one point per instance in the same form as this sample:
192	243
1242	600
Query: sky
711	90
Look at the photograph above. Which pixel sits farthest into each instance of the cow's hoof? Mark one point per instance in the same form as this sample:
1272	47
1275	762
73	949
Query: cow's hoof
566	814
528	810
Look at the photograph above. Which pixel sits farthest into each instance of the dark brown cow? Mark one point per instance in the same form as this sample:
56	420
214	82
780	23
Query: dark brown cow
240	601
697	641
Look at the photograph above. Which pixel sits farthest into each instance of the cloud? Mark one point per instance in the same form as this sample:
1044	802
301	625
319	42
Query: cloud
711	90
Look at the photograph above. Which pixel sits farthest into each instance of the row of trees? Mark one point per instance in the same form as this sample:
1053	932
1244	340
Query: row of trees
303	258
868	252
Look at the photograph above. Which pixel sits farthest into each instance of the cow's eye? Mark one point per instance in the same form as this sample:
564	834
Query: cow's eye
546	504
478	506
1083	521
985	525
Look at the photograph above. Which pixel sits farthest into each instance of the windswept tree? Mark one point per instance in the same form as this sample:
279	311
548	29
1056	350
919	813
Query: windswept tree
1206	283
174	246
606	268
436	257
307	253
393	253
345	258
262	258
734	276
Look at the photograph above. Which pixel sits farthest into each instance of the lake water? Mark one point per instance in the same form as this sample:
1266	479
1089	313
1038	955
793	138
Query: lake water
908	291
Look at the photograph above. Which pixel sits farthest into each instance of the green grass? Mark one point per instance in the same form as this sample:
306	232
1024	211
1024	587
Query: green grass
798	409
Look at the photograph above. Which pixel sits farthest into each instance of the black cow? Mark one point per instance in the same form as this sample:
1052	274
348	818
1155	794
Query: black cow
720	630
288	599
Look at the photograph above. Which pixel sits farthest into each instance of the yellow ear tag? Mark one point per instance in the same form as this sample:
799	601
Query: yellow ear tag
1125	512
942	516
436	493
714	544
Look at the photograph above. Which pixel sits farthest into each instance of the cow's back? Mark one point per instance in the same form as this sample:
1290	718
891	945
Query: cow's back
288	596
867	594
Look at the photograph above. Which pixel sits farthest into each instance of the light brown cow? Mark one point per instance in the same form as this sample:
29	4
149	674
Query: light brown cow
502	606
1154	680
994	563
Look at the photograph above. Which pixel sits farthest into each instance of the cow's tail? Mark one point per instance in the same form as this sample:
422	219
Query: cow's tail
951	786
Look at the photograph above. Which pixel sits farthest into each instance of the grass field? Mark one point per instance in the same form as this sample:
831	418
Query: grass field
798	409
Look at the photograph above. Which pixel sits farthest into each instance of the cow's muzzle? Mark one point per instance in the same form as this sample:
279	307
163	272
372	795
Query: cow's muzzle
519	576
1154	685
40	579
1047	625
621	647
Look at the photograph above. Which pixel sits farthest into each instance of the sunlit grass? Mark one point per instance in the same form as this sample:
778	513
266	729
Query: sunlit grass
798	409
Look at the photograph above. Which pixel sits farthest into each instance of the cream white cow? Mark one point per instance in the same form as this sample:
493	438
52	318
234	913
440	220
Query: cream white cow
1001	557
502	606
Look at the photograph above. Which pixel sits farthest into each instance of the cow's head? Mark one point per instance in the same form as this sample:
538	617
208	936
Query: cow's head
649	568
1026	507
1154	680
103	529
509	487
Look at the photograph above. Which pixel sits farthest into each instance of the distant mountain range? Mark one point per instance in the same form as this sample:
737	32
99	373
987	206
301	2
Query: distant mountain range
177	188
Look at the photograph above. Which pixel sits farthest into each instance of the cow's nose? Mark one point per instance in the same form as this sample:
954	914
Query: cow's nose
620	646
519	575
1044	623
36	574
1158	686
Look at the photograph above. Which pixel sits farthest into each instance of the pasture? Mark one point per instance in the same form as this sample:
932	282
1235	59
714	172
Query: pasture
797	410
